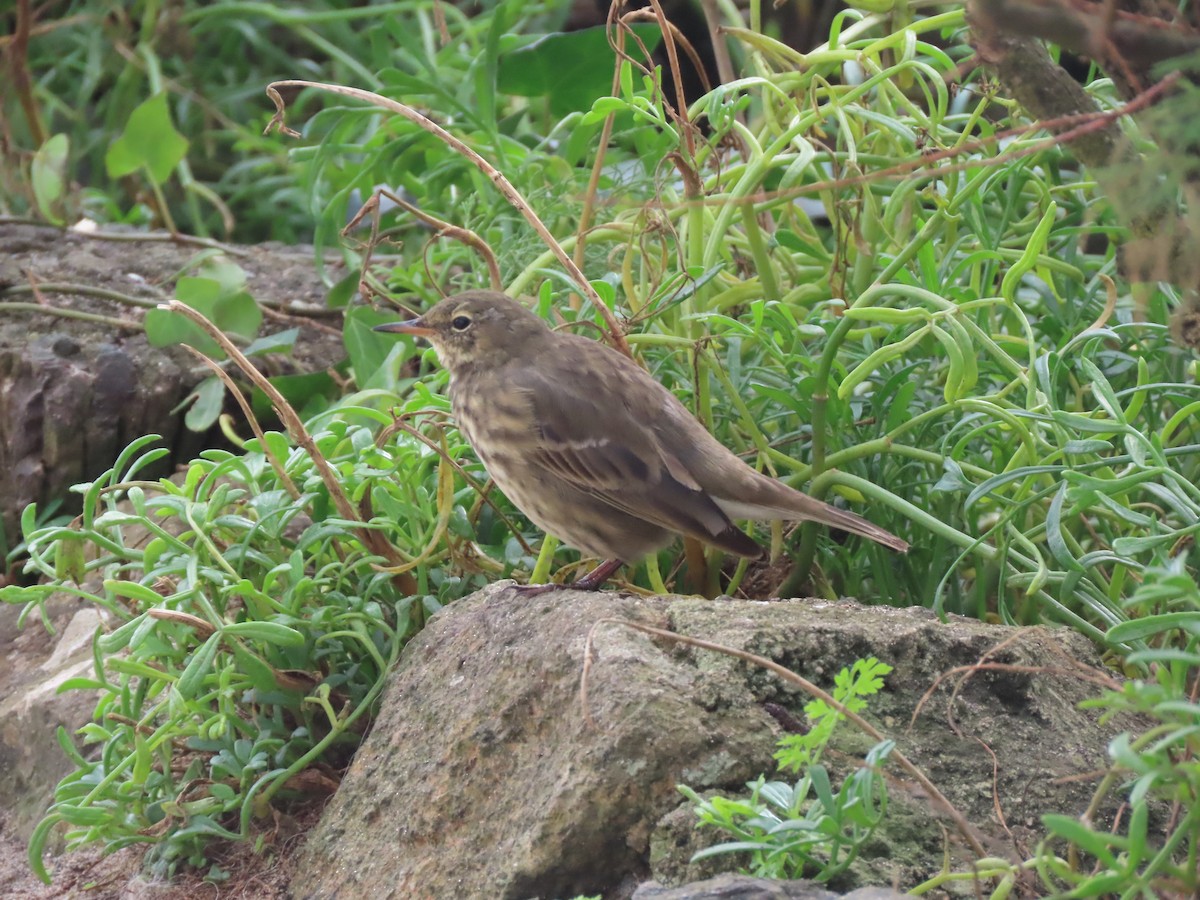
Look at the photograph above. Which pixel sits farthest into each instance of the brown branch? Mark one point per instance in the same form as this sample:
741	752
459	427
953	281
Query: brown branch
19	71
251	419
441	229
1094	29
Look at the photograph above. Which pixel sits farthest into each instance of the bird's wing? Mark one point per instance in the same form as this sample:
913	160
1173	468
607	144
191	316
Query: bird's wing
600	441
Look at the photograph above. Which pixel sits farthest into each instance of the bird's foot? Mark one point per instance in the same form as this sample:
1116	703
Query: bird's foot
592	581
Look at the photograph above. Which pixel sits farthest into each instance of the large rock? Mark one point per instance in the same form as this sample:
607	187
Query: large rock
36	661
482	777
74	392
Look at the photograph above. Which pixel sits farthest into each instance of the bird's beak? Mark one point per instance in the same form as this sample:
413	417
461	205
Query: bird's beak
412	326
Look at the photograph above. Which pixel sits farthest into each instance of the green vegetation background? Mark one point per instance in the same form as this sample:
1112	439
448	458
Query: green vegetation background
861	265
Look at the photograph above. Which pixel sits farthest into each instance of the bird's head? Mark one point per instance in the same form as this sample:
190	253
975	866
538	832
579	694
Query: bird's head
483	328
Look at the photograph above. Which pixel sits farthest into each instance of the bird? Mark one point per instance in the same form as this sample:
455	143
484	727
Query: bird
591	448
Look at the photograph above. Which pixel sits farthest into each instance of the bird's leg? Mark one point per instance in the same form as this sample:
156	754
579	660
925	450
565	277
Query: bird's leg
592	581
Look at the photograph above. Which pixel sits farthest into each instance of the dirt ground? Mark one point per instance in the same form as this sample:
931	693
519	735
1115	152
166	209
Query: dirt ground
90	875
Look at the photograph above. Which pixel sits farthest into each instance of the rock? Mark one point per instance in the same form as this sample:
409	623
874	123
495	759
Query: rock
743	887
482	777
38	659
488	704
74	393
36	662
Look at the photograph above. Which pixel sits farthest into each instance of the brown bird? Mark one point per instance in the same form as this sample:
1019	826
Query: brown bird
591	448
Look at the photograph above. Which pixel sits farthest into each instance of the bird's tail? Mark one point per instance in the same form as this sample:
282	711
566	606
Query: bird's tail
776	501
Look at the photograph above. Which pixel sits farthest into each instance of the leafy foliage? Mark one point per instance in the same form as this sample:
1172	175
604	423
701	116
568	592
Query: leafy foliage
250	631
894	293
1158	767
806	829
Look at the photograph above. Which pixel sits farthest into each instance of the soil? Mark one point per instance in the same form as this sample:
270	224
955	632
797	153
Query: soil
88	874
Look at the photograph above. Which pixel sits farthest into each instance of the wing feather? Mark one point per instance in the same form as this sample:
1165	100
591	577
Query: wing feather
603	444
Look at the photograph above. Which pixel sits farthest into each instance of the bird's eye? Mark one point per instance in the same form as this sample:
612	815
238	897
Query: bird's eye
460	323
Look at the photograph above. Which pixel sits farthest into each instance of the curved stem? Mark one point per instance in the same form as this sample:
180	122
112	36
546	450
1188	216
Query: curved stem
506	187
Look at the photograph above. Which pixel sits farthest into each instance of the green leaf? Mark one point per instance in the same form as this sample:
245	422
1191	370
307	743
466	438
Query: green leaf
1098	844
69	749
1162	656
209	397
70	563
238	314
307	393
280	342
1054	532
1140	629
261	675
149	142
1102	390
271	632
164	328
219	297
571	69
229	275
83	815
878	358
602	108
369	350
790	240
344	291
133	591
1132	546
199	666
822	788
37	845
80	684
888	315
117	640
34	593
48	175
953	480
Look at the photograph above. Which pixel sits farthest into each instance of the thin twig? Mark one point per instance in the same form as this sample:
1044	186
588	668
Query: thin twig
295	428
441	229
234	390
73	314
81	290
1084	123
161	238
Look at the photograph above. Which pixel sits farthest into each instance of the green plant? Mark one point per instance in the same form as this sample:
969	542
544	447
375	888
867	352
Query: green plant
183	83
1156	770
934	337
806	829
250	628
937	351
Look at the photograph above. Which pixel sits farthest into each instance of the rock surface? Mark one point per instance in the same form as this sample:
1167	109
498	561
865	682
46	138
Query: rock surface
36	662
743	887
74	393
482	778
